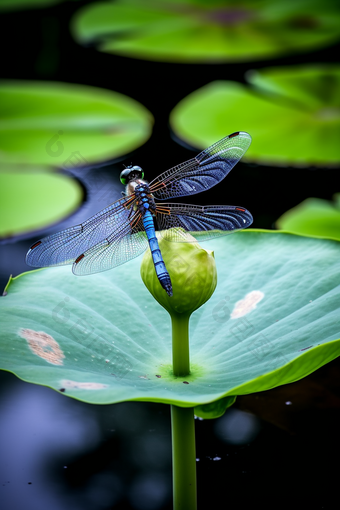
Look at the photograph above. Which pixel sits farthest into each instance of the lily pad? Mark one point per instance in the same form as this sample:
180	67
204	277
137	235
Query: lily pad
31	201
65	125
314	217
200	31
274	318
292	114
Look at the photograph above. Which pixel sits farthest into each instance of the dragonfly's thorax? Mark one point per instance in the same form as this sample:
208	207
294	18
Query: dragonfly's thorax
131	186
144	198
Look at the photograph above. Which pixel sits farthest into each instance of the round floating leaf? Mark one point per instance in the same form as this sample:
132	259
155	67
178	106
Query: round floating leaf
314	217
66	125
292	114
274	318
200	31
35	200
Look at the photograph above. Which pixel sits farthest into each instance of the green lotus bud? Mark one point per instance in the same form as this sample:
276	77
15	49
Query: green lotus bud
191	268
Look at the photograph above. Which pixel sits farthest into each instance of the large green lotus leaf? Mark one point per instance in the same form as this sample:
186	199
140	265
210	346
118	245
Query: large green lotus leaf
31	201
67	125
201	31
273	319
292	114
314	217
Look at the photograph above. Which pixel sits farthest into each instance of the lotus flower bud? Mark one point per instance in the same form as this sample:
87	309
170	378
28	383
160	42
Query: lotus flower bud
191	268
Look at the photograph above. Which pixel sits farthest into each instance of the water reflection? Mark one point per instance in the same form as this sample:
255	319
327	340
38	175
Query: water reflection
237	427
149	491
36	425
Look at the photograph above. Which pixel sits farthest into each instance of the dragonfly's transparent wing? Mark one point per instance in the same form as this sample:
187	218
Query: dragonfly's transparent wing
64	247
204	171
202	222
112	252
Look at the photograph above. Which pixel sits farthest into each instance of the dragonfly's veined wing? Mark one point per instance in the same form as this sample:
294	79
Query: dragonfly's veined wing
115	221
204	171
111	252
203	222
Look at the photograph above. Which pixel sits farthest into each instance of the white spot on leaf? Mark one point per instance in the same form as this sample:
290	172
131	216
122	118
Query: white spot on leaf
66	383
43	345
246	305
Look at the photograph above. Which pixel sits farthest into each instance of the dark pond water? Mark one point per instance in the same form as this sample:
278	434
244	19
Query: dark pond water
275	449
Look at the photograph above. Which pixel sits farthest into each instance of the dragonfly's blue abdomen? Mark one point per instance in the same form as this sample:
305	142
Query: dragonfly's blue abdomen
145	203
161	271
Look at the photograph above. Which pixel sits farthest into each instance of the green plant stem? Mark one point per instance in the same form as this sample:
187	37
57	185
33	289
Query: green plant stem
183	458
182	423
180	344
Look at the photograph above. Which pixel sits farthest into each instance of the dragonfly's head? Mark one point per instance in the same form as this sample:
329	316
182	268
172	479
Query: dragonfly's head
131	173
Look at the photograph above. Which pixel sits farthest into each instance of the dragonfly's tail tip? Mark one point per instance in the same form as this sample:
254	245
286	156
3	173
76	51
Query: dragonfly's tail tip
166	283
168	289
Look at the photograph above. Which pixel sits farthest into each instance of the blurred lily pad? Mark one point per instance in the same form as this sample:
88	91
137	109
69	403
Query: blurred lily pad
33	200
65	125
292	114
200	31
274	318
313	217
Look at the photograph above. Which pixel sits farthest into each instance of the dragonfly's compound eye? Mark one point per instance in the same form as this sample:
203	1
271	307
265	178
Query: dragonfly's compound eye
131	173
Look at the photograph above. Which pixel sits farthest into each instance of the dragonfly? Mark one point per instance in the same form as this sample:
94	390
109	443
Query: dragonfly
124	229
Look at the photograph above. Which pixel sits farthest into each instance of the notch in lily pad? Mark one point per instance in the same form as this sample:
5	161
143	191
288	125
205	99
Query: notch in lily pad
299	108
